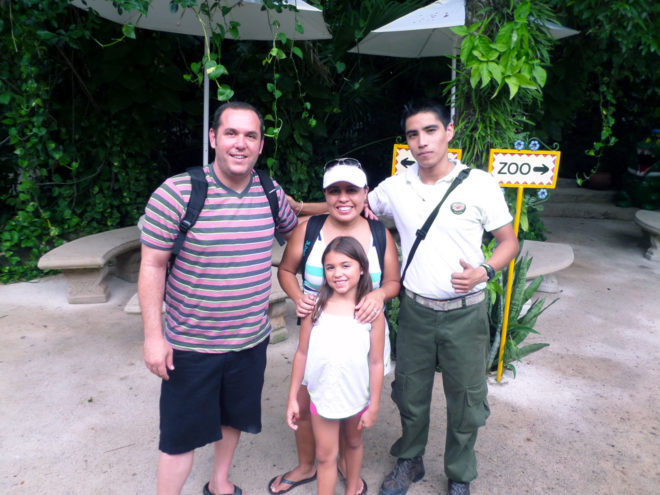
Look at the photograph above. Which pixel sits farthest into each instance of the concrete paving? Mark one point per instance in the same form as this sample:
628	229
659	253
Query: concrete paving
79	410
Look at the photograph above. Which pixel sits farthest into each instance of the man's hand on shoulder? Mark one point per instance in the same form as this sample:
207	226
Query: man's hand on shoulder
368	213
303	208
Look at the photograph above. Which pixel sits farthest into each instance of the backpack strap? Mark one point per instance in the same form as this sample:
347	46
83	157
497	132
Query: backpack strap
380	240
199	188
312	231
271	195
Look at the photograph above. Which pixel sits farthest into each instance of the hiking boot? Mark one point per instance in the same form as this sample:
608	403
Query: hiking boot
458	488
405	472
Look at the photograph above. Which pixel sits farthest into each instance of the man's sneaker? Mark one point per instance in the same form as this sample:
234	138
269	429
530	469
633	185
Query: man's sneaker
405	472
458	488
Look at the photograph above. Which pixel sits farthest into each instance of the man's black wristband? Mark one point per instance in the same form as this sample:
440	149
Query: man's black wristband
490	272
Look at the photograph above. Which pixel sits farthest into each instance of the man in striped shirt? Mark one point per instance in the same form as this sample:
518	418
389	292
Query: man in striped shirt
211	355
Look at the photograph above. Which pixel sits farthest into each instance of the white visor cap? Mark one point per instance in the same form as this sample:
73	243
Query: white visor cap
344	173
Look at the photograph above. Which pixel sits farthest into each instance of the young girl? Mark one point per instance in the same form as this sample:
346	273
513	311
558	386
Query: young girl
341	361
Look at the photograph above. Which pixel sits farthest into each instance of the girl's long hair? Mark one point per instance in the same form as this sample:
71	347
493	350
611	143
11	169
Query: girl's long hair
350	247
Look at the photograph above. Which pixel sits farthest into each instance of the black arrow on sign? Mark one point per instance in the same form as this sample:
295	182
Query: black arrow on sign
543	169
407	162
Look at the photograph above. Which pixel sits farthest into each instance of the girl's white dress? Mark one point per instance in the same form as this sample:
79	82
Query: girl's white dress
337	369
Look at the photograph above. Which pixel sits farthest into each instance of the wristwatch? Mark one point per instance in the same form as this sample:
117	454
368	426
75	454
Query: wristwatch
490	272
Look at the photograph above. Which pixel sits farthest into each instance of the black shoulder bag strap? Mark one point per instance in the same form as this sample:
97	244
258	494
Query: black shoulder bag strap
199	187
312	230
271	195
380	241
421	233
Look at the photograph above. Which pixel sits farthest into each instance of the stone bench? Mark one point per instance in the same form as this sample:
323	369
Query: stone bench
547	258
85	263
649	221
276	310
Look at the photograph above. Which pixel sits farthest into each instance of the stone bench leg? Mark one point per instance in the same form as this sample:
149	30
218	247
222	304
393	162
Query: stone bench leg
653	252
127	265
549	284
87	286
276	311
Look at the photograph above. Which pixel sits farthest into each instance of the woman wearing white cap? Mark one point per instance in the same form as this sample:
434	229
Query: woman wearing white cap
345	189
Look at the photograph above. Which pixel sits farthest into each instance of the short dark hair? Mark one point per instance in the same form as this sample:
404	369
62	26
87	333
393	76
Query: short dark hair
352	248
425	105
236	105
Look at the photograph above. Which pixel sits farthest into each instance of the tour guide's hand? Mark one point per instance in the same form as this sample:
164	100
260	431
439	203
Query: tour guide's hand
368	213
305	305
158	357
464	281
368	309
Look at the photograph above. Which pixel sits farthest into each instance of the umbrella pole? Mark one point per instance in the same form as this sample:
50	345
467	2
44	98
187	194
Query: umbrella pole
205	137
453	86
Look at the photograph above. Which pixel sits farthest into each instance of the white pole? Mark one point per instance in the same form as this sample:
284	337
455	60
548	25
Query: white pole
205	137
453	87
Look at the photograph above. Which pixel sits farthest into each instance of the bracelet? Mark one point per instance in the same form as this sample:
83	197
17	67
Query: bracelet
302	203
490	271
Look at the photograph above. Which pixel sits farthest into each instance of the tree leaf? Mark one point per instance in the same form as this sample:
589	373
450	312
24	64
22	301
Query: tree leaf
513	86
297	51
484	74
225	93
128	30
460	30
215	71
474	77
466	48
540	75
528	349
522	11
495	71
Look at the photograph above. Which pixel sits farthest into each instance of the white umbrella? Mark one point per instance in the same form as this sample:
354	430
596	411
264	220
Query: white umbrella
426	32
256	23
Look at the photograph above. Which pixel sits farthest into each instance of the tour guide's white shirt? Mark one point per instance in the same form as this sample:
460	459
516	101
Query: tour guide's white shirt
477	204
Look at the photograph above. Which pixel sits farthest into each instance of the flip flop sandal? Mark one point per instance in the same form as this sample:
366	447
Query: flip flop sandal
292	484
364	488
237	491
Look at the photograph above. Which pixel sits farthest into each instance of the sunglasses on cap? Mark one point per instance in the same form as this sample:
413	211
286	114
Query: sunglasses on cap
351	162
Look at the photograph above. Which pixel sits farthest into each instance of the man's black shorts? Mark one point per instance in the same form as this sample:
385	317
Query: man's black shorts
207	391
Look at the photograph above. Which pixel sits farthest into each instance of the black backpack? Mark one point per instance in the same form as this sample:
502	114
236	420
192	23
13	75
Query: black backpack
196	203
315	224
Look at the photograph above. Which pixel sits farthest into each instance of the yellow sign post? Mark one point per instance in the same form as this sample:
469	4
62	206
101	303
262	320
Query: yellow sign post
520	169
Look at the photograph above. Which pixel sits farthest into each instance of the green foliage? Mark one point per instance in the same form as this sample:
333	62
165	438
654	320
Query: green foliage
506	59
392	312
72	159
93	120
520	324
504	44
603	92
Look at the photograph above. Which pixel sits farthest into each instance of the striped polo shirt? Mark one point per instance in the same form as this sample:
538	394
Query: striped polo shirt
218	290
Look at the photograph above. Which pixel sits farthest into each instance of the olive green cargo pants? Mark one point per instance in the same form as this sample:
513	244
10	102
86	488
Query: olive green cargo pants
458	341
